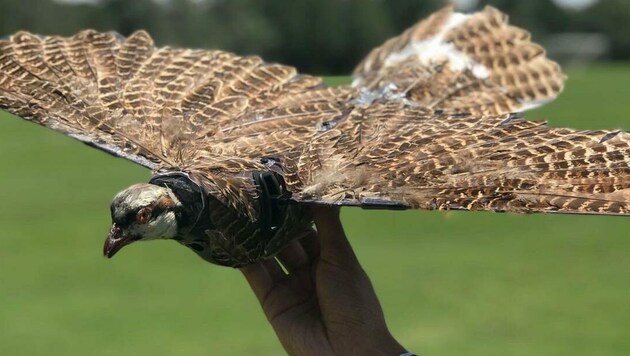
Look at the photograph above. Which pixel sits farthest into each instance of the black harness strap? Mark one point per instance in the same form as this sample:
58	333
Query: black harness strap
194	200
272	197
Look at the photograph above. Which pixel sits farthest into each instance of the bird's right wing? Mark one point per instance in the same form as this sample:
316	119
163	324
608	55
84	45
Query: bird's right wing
159	107
71	85
475	63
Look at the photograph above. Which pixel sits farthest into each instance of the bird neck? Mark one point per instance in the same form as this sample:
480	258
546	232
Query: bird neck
193	207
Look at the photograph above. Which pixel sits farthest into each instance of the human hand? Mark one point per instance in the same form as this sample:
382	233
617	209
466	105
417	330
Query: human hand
326	304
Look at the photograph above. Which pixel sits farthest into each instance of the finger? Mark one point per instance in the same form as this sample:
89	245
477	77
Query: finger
262	276
274	269
310	243
334	244
293	257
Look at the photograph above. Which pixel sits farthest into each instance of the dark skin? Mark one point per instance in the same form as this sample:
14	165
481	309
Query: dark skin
326	304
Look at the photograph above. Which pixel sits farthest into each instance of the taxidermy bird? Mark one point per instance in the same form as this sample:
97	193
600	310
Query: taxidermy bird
240	147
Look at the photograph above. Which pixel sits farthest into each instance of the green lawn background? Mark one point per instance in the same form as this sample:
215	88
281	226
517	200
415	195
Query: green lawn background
451	283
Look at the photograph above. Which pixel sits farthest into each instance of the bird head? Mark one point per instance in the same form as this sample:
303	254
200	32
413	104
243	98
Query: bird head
141	212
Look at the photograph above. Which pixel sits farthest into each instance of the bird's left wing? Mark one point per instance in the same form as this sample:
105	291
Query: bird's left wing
394	156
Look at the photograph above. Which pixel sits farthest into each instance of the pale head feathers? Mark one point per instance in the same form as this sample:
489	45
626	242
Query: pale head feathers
146	212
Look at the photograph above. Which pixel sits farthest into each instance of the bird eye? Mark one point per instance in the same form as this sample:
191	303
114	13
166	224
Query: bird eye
143	216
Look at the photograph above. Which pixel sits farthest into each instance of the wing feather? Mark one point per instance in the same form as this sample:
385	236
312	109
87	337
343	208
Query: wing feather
155	106
464	162
474	63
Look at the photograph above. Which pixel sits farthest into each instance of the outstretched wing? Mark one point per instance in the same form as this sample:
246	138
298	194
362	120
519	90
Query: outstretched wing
154	106
475	63
393	155
432	129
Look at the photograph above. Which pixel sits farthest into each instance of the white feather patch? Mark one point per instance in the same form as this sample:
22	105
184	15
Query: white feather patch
435	50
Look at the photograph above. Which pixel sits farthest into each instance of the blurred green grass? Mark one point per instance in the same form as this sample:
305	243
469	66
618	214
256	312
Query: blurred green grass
451	283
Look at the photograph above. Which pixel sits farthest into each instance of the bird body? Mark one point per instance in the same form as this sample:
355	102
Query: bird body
239	148
178	206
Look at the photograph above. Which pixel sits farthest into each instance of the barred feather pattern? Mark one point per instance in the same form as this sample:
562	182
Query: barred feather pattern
434	160
158	107
430	130
474	63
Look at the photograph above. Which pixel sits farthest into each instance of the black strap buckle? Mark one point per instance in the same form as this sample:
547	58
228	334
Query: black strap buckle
272	197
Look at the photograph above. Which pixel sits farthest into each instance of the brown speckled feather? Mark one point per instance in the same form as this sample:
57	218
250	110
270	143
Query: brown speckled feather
425	125
467	63
443	161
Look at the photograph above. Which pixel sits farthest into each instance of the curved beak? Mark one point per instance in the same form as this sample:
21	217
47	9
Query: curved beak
116	240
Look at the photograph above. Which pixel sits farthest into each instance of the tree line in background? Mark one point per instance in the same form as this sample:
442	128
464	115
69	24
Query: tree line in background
317	36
